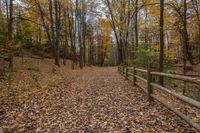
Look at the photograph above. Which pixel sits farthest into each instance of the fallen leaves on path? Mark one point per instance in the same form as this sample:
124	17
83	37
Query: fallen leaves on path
89	101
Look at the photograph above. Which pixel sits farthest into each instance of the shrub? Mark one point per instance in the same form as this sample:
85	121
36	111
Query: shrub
144	53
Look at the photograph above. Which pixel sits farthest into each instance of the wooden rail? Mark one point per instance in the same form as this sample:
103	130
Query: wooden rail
131	71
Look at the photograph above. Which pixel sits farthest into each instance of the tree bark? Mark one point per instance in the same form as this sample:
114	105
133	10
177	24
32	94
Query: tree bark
185	39
186	47
80	28
161	60
58	30
136	25
10	34
195	4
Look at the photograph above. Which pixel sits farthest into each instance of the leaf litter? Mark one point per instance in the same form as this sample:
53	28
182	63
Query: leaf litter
87	101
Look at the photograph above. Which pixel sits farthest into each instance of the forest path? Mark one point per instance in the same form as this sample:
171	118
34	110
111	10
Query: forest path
92	100
106	102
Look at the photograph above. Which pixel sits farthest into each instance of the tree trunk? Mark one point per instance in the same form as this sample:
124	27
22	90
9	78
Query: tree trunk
52	29
0	8
83	19
199	39
66	43
188	54
185	46
57	37
186	49
120	54
161	60
10	32
136	25
79	27
146	30
195	4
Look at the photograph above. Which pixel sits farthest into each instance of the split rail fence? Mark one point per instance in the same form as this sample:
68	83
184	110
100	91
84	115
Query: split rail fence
130	73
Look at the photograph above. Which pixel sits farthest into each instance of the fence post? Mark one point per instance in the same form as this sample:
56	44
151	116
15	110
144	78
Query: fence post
149	80
134	79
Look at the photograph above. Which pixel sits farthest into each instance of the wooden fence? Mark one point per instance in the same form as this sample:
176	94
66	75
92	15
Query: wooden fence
130	73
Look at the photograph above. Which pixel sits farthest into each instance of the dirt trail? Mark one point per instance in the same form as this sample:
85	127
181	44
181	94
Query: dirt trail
89	101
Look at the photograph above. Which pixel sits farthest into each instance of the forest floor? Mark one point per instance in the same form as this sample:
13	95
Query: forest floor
90	100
